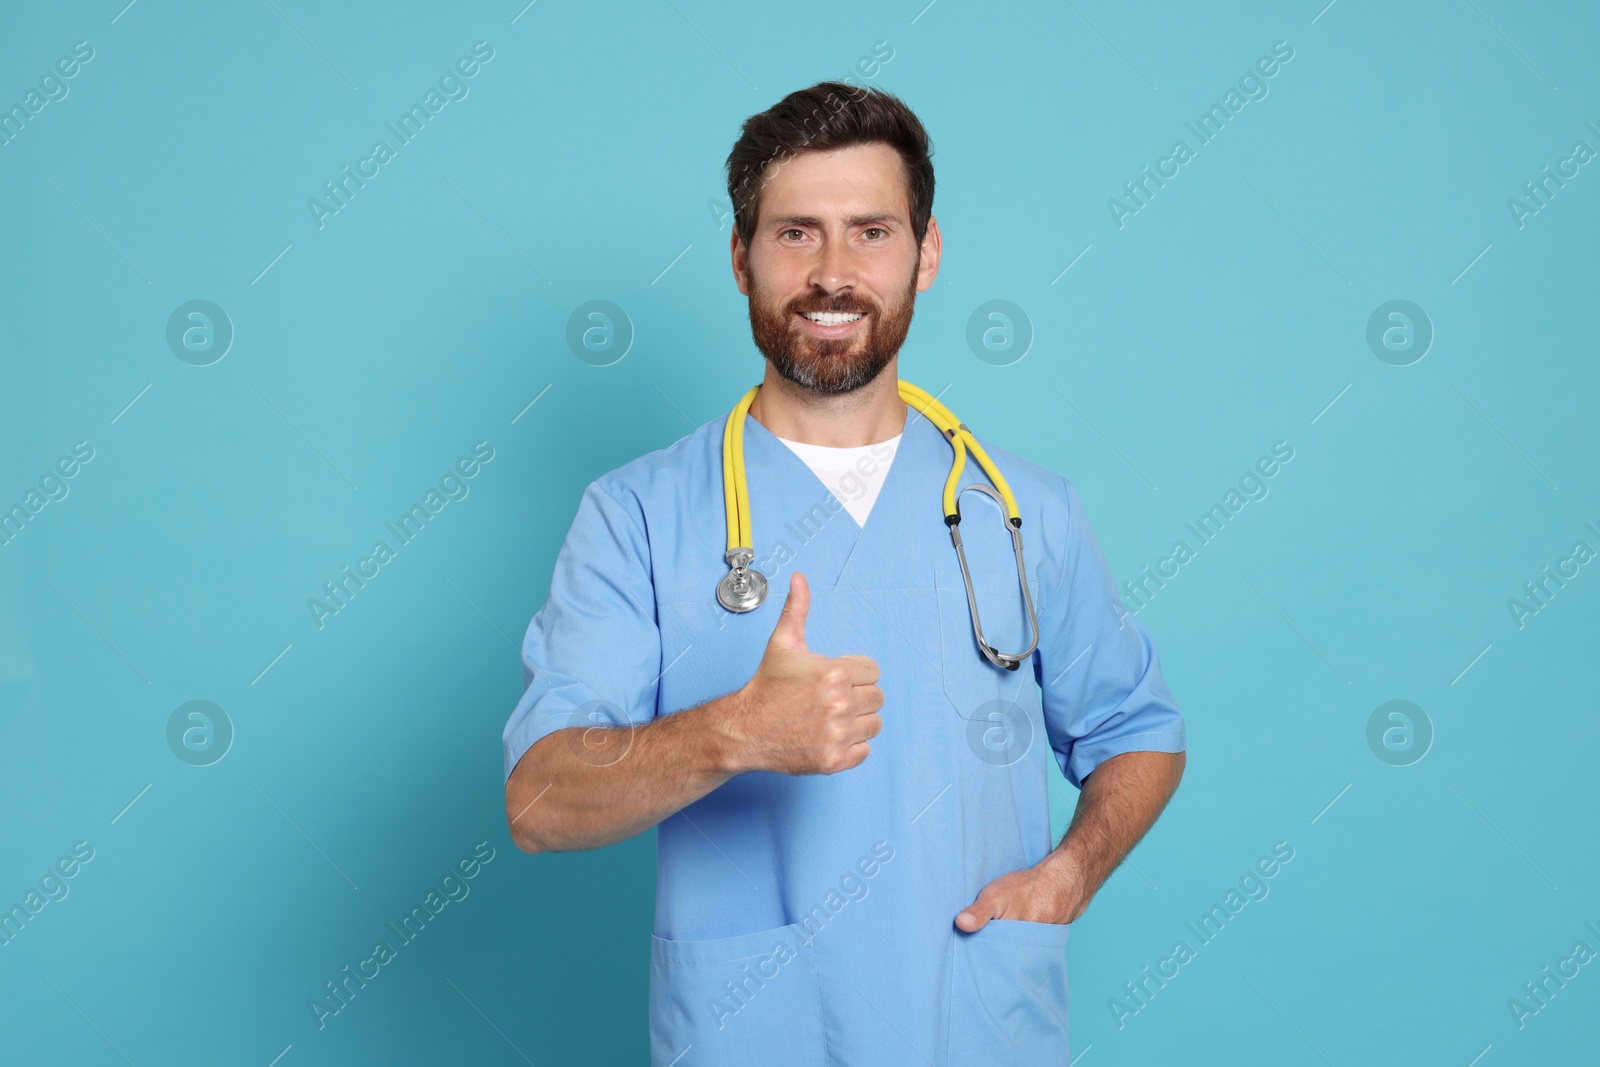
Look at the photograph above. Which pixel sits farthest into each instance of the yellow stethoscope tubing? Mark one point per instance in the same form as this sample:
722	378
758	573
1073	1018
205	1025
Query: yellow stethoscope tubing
735	495
962	440
736	502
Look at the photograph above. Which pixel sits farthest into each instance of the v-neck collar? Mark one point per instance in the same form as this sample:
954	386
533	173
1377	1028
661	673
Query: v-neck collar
916	438
794	459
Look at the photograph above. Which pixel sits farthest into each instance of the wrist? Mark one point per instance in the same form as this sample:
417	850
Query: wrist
1064	873
1064	865
729	749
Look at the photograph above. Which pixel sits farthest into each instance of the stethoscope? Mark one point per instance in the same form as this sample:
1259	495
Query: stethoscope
744	587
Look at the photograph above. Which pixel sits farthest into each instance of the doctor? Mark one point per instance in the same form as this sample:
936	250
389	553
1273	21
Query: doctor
851	801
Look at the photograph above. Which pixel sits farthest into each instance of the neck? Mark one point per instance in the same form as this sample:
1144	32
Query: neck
873	413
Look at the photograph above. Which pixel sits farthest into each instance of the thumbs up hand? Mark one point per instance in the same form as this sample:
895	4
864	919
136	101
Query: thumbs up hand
804	713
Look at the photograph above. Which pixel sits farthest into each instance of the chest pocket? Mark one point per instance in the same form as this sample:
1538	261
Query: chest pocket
992	570
1001	708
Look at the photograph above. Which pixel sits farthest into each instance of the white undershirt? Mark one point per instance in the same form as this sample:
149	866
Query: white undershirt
853	475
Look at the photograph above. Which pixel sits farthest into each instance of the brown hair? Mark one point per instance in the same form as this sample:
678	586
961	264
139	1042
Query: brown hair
828	115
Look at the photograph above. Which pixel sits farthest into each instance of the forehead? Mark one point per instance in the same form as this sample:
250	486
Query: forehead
859	179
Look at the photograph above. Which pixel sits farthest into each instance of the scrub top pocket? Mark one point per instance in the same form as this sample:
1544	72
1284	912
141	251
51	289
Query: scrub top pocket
999	709
752	998
1008	995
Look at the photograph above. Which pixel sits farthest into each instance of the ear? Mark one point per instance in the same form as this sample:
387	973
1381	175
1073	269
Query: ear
928	256
741	268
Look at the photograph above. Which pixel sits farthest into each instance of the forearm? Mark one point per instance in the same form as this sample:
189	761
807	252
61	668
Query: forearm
1119	802
587	787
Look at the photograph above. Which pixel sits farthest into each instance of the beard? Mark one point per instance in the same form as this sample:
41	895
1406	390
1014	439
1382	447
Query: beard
824	365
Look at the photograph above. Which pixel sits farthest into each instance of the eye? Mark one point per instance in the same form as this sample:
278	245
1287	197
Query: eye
876	229
787	232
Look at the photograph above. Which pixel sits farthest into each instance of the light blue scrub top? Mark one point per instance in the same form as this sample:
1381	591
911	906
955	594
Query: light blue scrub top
811	919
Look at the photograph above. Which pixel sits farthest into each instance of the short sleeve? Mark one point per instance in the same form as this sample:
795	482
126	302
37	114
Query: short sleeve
1100	677
592	654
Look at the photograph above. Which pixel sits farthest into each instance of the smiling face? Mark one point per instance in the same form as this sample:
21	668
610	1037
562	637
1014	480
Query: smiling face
833	267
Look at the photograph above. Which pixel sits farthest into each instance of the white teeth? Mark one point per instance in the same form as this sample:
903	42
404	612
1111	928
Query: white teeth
832	318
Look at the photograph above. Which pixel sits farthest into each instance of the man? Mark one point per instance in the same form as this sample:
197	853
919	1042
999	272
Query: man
854	859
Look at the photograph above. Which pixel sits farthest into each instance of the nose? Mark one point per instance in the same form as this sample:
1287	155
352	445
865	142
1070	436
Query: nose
834	271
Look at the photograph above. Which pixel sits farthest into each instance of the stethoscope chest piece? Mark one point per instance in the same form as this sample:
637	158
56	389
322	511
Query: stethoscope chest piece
743	588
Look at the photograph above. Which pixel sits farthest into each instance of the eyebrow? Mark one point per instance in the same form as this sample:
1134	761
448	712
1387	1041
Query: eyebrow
853	220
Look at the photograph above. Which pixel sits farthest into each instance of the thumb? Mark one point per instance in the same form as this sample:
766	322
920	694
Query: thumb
976	916
790	631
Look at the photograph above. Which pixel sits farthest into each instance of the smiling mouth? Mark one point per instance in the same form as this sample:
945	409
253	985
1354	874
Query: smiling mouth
832	318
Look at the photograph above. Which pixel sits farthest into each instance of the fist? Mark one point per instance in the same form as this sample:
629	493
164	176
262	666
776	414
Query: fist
803	713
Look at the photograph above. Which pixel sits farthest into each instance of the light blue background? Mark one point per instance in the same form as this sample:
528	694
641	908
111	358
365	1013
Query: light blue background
1228	314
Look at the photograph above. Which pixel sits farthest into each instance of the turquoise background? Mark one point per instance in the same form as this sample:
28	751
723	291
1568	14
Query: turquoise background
585	162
